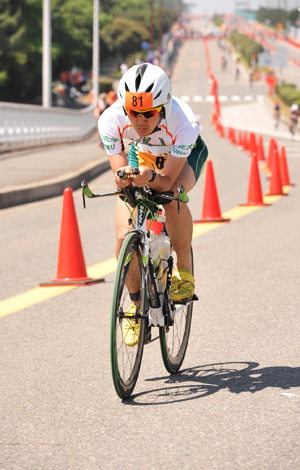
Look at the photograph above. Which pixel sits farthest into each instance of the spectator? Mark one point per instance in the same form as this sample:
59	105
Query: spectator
251	77
101	106
276	114
123	68
111	97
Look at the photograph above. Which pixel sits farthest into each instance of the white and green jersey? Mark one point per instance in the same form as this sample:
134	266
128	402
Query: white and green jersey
175	135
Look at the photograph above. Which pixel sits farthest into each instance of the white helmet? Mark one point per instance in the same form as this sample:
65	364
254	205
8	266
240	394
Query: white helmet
294	107
144	87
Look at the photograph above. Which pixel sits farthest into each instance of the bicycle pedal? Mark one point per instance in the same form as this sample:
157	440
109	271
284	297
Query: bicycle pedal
186	301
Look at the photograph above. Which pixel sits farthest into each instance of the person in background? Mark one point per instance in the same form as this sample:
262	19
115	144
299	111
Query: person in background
276	114
251	77
123	68
111	97
293	118
100	107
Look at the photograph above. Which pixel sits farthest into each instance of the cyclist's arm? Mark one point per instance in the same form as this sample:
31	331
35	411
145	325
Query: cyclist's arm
117	162
164	180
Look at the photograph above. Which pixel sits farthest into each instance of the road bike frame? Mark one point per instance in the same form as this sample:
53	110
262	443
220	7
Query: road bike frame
152	309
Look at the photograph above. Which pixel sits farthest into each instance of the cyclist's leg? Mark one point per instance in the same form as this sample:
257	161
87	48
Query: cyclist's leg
180	226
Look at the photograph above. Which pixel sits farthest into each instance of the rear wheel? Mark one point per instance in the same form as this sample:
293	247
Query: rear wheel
174	339
126	357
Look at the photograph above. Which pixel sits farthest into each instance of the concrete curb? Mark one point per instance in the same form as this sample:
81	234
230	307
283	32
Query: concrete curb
15	196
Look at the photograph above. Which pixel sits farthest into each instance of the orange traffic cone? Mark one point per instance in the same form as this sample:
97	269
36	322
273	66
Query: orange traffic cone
272	148
221	130
254	197
229	135
71	268
240	140
233	141
275	186
211	208
284	172
213	118
260	150
245	141
252	145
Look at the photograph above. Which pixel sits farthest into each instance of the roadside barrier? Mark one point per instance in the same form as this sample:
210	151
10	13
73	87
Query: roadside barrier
26	126
71	269
211	211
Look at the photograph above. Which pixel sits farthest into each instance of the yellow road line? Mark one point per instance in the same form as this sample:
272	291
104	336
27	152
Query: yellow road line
40	294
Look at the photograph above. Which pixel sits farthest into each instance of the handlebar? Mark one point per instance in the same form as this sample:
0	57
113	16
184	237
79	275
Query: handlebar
123	175
130	192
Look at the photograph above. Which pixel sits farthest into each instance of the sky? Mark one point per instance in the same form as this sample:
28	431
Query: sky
228	6
218	6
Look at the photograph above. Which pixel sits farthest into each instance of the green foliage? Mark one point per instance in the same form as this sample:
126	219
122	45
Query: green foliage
288	93
124	36
245	45
218	20
273	16
124	25
105	84
20	40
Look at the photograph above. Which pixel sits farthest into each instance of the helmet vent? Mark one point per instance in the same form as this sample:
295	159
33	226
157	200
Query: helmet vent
139	75
126	87
150	88
158	94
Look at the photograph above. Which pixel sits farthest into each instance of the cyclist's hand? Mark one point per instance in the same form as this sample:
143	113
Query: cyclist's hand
143	178
123	182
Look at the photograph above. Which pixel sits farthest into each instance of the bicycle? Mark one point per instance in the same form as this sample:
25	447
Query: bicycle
293	124
155	308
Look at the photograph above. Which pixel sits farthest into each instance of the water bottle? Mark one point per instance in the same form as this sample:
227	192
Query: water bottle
155	255
164	246
164	251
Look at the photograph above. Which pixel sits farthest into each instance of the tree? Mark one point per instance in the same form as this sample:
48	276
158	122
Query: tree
124	36
20	68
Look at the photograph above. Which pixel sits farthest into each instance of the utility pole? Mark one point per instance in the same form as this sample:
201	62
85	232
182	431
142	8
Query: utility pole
96	50
47	59
160	23
152	26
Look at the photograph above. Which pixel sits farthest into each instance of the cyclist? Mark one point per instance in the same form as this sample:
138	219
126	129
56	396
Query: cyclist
251	77
293	117
169	151
276	113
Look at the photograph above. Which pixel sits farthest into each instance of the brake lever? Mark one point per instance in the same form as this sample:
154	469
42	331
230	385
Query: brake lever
85	191
182	196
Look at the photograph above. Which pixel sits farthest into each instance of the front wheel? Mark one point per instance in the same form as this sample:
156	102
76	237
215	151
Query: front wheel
174	339
126	353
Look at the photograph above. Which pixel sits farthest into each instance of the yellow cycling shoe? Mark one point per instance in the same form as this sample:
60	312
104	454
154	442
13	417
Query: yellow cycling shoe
183	285
130	329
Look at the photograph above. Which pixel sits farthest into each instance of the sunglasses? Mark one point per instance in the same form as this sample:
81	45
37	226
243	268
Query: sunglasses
146	114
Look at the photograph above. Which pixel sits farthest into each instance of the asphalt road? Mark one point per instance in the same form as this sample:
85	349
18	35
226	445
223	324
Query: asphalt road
235	403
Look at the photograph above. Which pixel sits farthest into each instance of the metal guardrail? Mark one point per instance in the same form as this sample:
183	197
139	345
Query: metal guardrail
25	126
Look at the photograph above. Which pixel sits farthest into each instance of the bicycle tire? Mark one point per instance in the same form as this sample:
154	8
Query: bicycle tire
174	339
126	360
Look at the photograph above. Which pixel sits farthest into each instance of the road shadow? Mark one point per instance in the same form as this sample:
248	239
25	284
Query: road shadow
202	381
